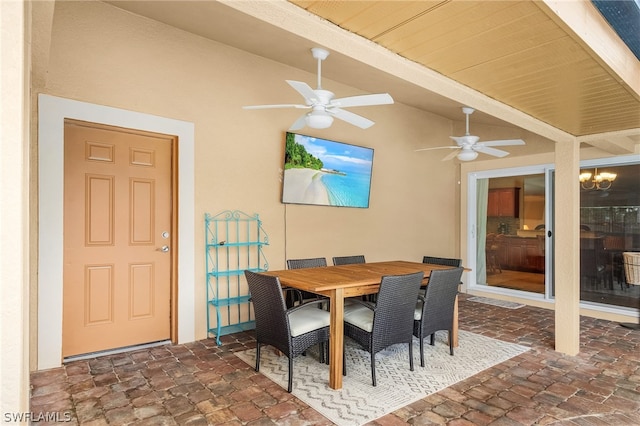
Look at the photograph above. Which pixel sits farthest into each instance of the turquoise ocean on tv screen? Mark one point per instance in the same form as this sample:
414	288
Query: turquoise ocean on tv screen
351	190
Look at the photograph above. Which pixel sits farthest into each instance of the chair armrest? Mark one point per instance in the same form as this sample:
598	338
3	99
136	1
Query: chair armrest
297	294
304	305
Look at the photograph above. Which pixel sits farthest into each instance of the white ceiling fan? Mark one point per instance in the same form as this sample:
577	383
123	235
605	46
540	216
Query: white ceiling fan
322	104
467	147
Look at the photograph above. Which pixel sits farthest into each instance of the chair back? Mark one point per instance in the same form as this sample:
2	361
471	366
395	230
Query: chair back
439	299
348	260
272	327
446	261
394	310
306	263
313	262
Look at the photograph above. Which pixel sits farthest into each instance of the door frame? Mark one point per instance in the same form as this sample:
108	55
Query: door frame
51	114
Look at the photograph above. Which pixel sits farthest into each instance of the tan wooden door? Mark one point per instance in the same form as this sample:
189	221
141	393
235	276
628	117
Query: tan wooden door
117	238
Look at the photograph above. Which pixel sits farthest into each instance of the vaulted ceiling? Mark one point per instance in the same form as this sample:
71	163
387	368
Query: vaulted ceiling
557	62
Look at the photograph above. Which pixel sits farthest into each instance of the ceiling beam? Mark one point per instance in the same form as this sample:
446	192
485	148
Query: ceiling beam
617	143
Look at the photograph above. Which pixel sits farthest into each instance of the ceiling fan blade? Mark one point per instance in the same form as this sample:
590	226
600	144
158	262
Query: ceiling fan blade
299	123
438	147
363	100
491	151
450	156
305	90
276	106
351	118
504	142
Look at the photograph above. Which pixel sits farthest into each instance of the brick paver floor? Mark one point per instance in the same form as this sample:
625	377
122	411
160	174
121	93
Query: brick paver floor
201	383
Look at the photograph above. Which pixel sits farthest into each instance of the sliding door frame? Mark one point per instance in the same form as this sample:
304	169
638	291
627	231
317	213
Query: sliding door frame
472	237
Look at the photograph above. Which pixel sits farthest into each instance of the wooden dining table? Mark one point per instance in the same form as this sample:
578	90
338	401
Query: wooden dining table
343	281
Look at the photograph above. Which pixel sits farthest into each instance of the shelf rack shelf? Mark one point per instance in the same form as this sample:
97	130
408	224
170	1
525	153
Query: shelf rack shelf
234	242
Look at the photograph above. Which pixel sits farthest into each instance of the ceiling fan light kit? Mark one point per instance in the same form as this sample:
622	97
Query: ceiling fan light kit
320	120
470	146
324	108
467	155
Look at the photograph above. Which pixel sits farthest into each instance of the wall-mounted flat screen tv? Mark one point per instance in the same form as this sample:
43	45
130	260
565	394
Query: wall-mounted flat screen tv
327	173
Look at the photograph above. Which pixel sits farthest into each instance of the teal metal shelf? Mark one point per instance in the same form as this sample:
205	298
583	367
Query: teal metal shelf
243	244
231	273
233	243
230	301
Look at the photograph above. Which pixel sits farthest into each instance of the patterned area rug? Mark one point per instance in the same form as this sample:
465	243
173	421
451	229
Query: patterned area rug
496	302
358	402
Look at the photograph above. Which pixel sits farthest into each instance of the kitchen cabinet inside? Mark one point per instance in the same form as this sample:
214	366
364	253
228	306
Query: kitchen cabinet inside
520	254
504	202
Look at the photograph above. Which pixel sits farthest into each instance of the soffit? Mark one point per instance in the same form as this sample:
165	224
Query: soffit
513	51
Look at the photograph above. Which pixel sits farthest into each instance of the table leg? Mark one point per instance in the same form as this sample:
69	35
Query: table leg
336	338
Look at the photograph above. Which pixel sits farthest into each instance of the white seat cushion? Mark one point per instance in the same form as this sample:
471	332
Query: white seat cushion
353	308
308	319
359	315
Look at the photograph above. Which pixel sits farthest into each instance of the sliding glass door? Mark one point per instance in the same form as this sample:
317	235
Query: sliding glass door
513	230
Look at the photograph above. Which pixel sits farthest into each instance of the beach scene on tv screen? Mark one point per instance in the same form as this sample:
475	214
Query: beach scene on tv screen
323	172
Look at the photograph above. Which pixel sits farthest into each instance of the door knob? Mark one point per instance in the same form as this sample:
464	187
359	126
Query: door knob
164	249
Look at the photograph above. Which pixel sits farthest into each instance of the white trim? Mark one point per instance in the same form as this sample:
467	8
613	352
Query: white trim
549	226
621	160
51	114
513	171
472	237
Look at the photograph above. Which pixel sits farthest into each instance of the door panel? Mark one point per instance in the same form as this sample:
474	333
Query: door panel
98	291
117	204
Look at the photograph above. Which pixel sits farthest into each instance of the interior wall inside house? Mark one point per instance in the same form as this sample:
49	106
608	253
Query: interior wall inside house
103	55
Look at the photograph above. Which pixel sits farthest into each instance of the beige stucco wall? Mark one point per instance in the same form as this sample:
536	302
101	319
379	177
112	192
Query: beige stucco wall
101	55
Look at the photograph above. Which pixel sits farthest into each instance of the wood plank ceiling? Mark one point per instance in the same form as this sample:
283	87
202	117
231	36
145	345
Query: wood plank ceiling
512	51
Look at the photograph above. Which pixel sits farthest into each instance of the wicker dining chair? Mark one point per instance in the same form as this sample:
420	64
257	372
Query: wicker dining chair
291	331
435	310
632	277
446	261
314	262
351	260
348	260
389	321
